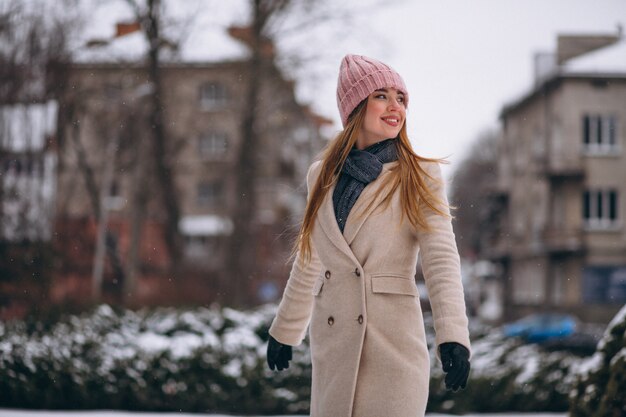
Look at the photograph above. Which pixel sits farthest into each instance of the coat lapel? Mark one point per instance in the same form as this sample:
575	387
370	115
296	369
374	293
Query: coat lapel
357	216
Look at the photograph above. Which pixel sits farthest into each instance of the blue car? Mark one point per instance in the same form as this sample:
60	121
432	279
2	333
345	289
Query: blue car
541	327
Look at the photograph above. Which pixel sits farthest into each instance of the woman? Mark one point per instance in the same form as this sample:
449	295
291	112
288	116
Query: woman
372	205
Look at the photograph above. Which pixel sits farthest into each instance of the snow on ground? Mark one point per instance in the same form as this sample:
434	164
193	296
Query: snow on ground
31	413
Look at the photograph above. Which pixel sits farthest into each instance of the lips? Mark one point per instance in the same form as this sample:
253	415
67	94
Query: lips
393	121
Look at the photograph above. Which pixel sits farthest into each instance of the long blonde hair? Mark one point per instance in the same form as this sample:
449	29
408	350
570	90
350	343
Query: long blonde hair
407	174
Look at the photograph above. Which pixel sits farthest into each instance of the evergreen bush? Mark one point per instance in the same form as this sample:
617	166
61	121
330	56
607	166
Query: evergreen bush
600	388
212	360
202	360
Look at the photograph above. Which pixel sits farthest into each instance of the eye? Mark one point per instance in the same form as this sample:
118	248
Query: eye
380	95
401	99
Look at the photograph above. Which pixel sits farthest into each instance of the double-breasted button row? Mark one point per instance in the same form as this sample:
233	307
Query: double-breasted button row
331	320
356	272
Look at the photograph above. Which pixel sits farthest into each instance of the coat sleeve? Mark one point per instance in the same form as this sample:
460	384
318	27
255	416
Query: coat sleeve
295	308
442	269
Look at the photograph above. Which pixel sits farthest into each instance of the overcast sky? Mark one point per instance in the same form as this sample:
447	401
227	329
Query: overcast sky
462	60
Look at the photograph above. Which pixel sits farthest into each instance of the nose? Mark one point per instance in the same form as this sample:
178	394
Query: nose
394	103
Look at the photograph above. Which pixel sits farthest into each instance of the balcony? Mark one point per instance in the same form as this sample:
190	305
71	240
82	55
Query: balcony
498	251
563	241
564	170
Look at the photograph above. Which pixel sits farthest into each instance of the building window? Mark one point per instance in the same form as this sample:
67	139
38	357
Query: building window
600	134
201	248
115	201
115	189
209	193
528	285
213	145
213	95
604	284
600	209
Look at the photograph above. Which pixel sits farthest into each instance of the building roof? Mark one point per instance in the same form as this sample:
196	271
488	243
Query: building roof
605	62
193	32
194	35
608	60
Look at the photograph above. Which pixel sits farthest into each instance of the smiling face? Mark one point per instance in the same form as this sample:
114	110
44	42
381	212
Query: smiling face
384	116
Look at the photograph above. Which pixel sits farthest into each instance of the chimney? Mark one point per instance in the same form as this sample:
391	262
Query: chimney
244	34
124	28
544	64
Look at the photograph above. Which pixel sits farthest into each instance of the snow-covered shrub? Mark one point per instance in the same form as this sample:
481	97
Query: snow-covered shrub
600	390
164	359
213	360
506	375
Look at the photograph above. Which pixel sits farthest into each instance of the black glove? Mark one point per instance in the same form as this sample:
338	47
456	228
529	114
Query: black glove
455	361
278	355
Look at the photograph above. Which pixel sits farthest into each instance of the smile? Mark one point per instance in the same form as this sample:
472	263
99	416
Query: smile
391	121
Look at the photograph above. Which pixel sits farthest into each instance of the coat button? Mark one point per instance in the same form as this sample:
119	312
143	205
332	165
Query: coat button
360	319
357	272
331	321
327	274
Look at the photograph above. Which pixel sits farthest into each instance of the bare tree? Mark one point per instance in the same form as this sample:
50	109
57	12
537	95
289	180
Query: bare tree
474	182
32	49
272	22
240	256
140	188
151	20
150	158
34	55
121	145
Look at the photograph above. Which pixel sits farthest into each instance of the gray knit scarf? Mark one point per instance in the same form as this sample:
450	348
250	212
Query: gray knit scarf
360	168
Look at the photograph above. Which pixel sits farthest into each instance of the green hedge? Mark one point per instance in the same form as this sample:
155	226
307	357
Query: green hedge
600	389
162	360
507	375
213	360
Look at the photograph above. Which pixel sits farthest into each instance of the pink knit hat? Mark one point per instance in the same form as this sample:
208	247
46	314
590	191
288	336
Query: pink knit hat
358	77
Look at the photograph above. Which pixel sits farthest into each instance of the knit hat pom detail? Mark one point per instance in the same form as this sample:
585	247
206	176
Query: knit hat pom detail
359	76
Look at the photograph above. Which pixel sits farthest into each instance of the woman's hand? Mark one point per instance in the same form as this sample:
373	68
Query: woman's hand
278	355
455	361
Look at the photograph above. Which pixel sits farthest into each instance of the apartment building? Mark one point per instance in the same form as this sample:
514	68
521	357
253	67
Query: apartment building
203	108
27	188
559	235
27	168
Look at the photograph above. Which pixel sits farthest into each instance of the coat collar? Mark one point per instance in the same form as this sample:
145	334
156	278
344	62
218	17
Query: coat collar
358	214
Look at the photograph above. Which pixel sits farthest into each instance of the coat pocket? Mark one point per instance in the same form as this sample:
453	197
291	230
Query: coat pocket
317	287
386	284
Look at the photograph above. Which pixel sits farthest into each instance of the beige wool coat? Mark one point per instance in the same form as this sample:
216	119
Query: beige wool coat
358	298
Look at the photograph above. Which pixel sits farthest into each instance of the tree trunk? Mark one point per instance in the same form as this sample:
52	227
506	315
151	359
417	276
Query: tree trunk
165	174
139	199
241	257
102	239
95	194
